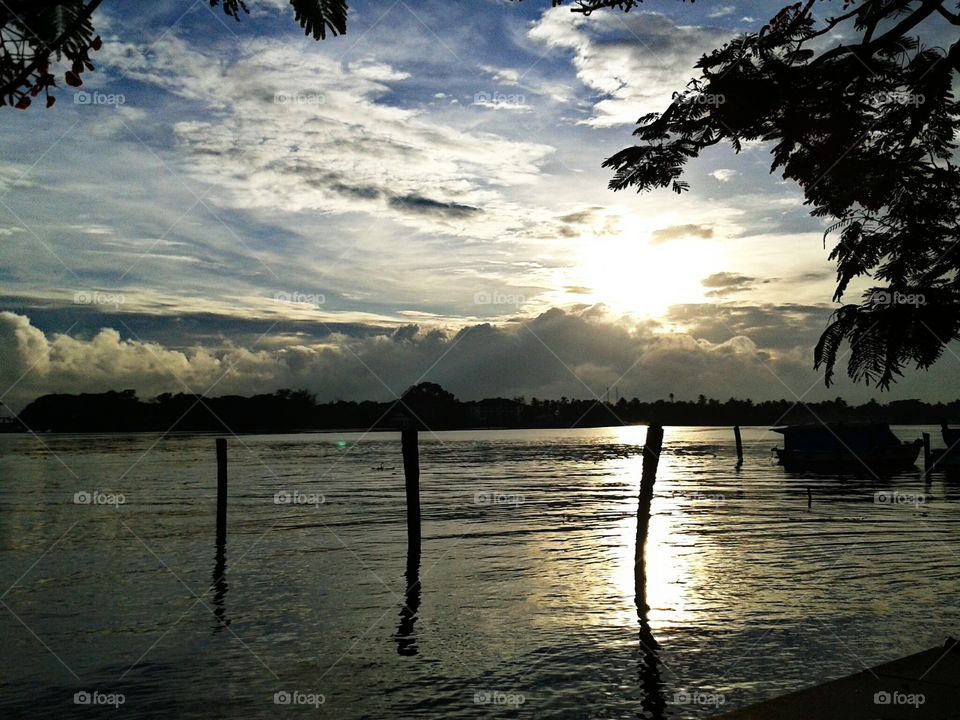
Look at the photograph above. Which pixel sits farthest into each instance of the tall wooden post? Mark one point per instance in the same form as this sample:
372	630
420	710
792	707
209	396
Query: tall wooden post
221	490
653	702
651	458
411	474
736	434
927	459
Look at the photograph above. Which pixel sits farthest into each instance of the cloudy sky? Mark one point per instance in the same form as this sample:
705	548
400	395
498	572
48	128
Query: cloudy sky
232	207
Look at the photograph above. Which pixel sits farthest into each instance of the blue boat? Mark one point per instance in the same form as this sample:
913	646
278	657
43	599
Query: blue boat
835	446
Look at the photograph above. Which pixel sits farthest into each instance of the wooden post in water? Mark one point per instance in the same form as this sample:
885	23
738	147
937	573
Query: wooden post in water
221	490
411	474
653	702
406	636
927	461
651	458
736	434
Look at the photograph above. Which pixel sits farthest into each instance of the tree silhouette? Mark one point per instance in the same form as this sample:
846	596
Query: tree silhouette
32	34
866	128
36	33
859	112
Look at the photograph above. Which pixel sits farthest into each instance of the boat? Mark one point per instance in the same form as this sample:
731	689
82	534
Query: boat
951	436
856	446
949	457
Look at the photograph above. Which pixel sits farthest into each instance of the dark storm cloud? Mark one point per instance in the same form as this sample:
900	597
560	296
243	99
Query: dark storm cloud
775	326
726	280
557	353
727	283
428	206
759	352
580	217
183	329
814	276
675	232
364	192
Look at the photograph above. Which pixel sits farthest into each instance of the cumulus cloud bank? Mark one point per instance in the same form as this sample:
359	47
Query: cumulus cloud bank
723	352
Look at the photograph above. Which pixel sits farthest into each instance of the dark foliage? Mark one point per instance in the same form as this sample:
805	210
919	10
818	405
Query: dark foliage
33	35
866	128
435	409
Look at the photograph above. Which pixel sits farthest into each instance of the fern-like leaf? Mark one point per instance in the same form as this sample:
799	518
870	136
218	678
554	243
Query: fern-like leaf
316	17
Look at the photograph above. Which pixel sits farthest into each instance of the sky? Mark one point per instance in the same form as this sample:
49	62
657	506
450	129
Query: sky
233	207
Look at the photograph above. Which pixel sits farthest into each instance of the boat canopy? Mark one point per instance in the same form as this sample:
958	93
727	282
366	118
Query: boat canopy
834	437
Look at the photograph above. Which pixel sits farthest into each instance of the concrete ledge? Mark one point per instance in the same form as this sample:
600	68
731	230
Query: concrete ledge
925	686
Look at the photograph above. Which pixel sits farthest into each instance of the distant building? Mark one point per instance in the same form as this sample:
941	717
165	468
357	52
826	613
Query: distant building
496	412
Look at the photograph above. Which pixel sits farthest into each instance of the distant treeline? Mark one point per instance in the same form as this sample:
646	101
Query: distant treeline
429	405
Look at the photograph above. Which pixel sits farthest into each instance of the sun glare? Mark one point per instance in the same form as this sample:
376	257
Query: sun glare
631	274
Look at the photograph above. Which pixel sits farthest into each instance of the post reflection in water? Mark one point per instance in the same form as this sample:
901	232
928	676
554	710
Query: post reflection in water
653	701
219	585
406	637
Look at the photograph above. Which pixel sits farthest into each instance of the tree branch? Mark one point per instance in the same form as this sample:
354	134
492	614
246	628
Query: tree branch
952	18
43	54
866	49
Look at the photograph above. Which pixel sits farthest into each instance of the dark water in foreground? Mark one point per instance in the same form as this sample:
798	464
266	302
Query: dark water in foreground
527	605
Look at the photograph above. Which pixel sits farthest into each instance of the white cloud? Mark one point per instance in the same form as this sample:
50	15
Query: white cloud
507	76
633	61
298	131
723	174
722	11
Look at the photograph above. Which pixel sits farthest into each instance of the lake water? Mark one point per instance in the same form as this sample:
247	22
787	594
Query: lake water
527	599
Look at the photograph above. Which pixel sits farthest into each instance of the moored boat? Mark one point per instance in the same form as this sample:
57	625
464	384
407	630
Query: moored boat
949	457
833	446
951	436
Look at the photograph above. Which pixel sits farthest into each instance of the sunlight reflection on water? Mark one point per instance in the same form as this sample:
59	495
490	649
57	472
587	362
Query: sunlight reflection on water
526	579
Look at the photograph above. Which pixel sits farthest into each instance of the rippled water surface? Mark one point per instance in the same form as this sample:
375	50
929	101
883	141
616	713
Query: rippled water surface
527	600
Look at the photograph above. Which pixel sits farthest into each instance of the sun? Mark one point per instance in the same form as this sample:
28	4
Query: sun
630	273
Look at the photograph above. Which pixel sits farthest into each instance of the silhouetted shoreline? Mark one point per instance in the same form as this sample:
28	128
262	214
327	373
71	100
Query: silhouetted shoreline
427	405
